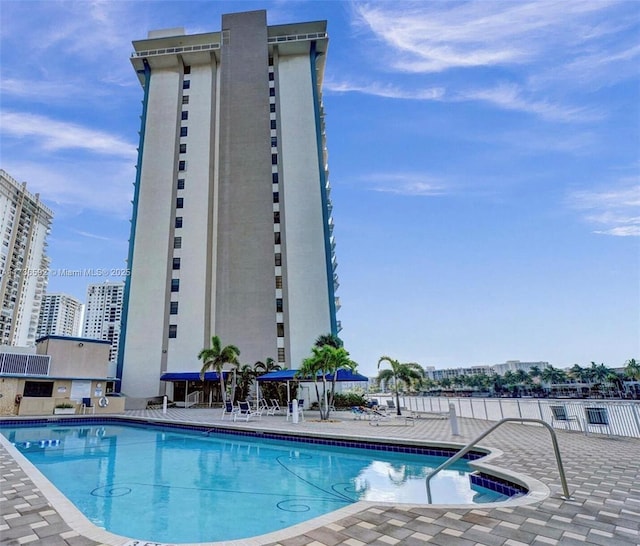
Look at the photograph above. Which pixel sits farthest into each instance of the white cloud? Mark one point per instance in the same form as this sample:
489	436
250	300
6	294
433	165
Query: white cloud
81	184
530	57
56	135
512	97
385	90
407	184
436	36
616	210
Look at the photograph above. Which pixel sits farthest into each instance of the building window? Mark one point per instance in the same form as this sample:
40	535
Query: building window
276	217
272	91
274	142
273	124
272	108
180	202
181	183
270	60
280	354
278	258
173	309
182	165
173	331
176	263
185	115
276	237
177	242
276	197
280	326
187	70
274	178
178	221
175	285
186	84
278	281
274	159
183	131
185	99
279	305
183	148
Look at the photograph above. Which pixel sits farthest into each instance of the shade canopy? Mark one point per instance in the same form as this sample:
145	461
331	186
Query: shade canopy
290	375
191	376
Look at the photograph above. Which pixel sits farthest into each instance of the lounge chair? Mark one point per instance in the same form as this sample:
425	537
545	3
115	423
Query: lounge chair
266	408
275	405
360	412
245	412
228	409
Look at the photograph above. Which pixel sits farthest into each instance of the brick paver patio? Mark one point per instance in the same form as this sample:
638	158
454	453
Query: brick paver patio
603	475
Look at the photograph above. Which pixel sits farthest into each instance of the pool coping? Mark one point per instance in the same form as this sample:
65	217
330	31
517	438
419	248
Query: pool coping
77	521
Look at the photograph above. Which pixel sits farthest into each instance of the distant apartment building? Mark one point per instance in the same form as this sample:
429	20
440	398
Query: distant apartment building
103	314
450	373
516	365
24	223
499	369
60	315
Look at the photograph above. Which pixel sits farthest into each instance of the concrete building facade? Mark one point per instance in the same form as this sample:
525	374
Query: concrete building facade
24	265
60	315
231	231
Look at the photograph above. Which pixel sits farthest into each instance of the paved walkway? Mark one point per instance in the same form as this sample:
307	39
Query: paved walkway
603	475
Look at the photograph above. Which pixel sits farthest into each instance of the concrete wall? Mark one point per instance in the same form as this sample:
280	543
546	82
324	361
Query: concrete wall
62	389
306	300
245	283
75	357
147	327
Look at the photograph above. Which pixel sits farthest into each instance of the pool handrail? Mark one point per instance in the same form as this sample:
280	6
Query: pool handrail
563	479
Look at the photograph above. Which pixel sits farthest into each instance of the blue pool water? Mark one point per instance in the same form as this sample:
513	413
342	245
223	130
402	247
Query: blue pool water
169	485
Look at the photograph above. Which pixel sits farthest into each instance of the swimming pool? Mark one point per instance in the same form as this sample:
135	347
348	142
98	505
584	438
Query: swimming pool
164	484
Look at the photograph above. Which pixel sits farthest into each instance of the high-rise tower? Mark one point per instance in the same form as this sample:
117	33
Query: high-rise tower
231	231
25	222
60	315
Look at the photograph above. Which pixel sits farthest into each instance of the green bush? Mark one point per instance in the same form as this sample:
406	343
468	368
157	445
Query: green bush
348	400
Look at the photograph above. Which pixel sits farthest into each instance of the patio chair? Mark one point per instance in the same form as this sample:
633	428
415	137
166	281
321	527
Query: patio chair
268	409
245	412
275	405
229	409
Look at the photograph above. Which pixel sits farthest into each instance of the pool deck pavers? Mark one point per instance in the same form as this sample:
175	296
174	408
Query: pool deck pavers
603	474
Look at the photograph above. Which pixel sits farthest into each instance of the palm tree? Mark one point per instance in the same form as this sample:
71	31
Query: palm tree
268	389
553	375
244	378
216	357
325	360
406	373
632	369
329	339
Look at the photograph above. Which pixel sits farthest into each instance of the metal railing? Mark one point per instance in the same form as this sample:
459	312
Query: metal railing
193	399
612	417
472	444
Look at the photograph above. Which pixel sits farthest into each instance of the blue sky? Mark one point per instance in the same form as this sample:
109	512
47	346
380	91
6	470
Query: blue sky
484	160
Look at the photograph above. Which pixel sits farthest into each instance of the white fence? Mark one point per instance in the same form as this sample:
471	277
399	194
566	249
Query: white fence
597	416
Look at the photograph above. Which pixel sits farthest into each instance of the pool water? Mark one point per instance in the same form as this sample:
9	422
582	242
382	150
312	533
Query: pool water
168	485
